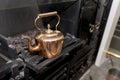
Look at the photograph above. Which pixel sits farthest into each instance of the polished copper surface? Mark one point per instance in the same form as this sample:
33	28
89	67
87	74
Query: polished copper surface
48	43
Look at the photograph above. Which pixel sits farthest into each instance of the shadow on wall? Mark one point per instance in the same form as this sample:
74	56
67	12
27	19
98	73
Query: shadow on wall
17	16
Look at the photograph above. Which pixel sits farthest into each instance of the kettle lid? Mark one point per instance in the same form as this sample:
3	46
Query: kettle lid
50	32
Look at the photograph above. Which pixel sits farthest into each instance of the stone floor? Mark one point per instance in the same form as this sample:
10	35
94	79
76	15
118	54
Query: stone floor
100	73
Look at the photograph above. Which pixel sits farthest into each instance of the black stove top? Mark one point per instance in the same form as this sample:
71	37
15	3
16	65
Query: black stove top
35	61
18	57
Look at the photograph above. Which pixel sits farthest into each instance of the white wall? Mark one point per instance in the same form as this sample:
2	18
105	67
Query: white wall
108	33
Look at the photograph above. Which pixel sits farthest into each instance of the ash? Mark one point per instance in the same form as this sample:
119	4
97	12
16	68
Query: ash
21	45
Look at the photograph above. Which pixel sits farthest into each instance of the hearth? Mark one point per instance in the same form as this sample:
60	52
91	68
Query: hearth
78	51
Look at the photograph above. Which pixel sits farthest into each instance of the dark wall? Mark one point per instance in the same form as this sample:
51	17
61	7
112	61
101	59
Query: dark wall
18	20
17	16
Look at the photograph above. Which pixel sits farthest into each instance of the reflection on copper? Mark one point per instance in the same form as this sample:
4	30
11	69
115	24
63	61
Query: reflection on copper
48	43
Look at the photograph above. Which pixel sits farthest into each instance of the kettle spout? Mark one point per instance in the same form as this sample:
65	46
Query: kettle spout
30	47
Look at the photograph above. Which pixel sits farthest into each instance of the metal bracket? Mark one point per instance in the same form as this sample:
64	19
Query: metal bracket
94	27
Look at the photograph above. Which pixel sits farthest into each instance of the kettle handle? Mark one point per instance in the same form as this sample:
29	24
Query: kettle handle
43	15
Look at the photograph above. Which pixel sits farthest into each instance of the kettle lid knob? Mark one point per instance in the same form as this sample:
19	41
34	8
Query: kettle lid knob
48	29
48	26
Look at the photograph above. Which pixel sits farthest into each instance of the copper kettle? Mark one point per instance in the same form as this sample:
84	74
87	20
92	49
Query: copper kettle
48	43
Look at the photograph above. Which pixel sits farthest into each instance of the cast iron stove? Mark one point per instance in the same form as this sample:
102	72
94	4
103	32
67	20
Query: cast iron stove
33	64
